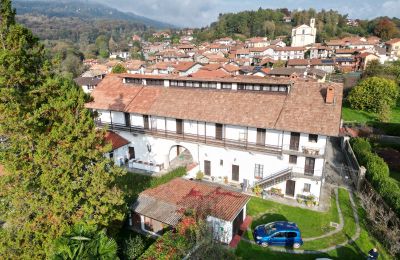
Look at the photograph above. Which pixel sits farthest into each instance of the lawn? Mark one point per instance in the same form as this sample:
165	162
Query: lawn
272	211
352	251
357	116
132	183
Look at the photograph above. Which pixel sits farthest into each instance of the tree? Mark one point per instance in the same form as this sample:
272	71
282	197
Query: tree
386	29
134	247
56	172
373	94
85	242
374	68
119	68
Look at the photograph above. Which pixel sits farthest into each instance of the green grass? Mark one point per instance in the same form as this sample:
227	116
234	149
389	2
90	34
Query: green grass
272	211
132	183
357	116
351	251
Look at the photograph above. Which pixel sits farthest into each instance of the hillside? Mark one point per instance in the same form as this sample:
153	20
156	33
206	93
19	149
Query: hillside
271	23
83	10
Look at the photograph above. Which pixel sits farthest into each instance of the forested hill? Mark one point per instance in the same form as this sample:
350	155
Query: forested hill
81	9
271	23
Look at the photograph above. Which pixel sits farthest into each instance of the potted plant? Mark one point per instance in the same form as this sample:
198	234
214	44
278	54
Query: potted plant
257	190
226	179
199	175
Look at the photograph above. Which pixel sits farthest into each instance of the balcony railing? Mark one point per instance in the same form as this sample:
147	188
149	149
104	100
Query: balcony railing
304	151
209	140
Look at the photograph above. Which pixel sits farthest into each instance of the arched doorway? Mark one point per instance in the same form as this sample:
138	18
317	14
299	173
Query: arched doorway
179	156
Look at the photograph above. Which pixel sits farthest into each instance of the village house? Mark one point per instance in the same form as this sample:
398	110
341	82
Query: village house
303	35
159	209
242	131
257	42
288	53
87	83
393	48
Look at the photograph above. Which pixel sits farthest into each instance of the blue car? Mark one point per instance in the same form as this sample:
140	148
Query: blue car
279	233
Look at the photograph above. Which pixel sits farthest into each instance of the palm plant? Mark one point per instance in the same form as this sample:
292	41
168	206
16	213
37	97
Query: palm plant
85	242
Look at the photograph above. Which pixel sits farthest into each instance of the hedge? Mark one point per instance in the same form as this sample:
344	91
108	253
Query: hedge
377	173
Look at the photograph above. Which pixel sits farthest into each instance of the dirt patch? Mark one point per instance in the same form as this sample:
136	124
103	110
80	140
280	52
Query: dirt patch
391	157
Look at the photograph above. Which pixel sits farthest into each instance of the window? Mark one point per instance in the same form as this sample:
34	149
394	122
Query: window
279	234
189	84
313	138
226	86
174	83
181	83
307	187
292	159
221	162
258	171
291	234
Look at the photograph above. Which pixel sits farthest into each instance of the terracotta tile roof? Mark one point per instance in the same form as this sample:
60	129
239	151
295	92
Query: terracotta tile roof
231	68
219	73
169	201
297	62
184	66
393	41
303	110
112	94
116	140
213	66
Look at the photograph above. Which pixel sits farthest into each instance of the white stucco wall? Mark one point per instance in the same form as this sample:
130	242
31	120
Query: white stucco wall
222	229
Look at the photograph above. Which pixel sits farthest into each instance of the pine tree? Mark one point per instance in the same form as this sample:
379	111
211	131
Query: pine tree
53	154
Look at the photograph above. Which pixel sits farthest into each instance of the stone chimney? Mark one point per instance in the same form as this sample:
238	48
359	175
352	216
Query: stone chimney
330	95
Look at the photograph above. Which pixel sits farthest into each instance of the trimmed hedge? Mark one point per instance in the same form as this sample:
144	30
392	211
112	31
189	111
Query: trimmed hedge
377	173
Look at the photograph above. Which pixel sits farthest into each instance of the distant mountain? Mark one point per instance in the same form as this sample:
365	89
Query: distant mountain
85	10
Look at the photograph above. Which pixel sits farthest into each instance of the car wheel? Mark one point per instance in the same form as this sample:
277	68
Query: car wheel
296	245
264	244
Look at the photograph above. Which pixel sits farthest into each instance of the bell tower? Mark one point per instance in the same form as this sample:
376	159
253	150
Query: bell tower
312	22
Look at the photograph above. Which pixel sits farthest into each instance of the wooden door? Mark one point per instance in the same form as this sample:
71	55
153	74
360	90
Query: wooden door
261	136
131	152
294	141
235	172
146	121
207	168
179	126
290	186
218	131
127	119
309	166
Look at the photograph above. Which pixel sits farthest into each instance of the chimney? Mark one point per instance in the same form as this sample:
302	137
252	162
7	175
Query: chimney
330	95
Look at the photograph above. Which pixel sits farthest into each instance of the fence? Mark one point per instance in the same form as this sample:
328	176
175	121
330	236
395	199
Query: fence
356	172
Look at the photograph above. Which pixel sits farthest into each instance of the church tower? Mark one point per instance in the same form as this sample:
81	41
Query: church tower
312	23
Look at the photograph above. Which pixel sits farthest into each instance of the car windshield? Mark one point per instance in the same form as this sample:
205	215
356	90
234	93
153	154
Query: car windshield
269	228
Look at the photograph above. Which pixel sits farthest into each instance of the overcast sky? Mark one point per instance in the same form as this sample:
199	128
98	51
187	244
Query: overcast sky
203	12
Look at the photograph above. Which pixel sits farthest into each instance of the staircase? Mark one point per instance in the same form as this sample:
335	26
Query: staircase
275	178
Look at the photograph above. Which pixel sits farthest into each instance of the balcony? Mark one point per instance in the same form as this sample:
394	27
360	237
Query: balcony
193	138
306	151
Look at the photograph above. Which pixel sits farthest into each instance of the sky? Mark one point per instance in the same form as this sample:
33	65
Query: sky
197	13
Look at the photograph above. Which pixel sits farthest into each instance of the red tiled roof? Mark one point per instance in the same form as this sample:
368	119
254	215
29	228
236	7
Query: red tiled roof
393	41
115	139
302	110
184	66
219	73
220	202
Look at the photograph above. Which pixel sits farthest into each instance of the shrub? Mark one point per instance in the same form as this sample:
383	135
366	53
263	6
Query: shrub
119	68
134	247
377	173
199	175
373	93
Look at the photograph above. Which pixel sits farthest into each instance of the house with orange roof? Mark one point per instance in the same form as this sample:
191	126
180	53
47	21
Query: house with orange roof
243	131
393	48
159	209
